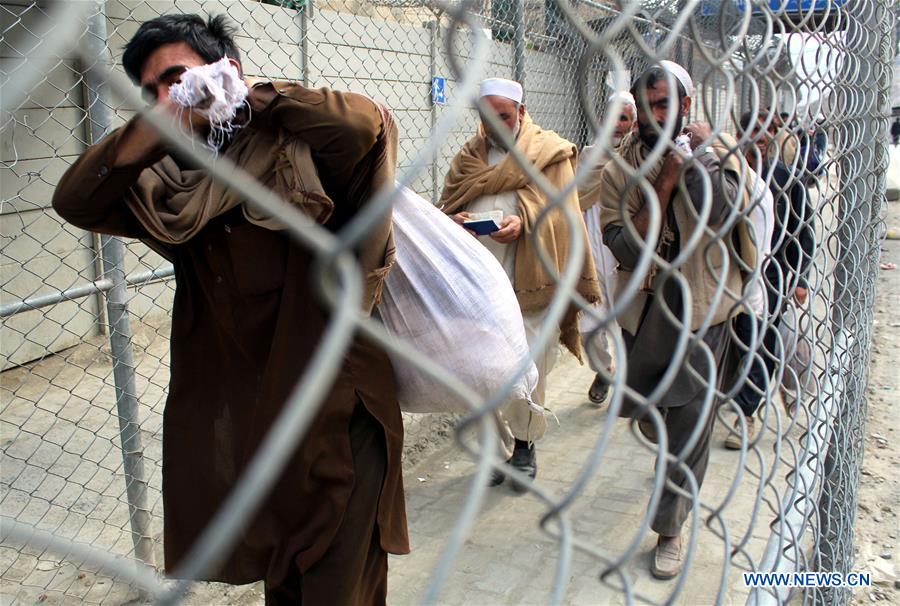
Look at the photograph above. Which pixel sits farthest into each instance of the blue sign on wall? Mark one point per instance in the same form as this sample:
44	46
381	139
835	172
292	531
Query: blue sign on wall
438	86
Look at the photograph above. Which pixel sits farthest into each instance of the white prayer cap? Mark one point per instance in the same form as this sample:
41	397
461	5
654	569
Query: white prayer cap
501	87
680	74
623	97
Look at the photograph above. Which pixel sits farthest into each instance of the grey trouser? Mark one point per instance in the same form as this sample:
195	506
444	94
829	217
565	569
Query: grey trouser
673	508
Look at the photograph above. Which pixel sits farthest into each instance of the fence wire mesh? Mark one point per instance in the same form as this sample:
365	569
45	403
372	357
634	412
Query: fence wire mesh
86	318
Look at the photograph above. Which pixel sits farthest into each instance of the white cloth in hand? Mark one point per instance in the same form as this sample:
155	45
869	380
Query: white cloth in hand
216	92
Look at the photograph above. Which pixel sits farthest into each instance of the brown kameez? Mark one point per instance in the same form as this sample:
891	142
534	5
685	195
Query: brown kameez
246	321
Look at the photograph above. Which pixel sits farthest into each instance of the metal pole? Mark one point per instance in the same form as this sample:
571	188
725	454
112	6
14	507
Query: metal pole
861	185
306	14
434	32
113	253
96	248
97	287
519	44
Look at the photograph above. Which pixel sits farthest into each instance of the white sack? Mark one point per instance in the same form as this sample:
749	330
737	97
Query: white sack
450	299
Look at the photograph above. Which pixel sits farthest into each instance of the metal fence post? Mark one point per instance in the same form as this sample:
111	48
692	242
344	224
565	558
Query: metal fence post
519	44
120	339
862	183
434	32
306	14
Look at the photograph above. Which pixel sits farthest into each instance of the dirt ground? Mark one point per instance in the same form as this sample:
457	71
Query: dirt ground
878	514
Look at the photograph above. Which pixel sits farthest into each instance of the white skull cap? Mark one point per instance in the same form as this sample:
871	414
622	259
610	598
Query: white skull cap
501	87
680	74
623	97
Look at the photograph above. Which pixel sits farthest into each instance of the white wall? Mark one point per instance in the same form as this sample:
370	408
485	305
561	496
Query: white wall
390	62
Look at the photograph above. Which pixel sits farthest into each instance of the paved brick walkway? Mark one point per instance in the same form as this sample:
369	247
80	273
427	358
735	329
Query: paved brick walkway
508	560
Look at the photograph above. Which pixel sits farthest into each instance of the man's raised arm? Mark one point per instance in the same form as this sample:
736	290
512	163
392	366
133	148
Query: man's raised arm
91	193
340	128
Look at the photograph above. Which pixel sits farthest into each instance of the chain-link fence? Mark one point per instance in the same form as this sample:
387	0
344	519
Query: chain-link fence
86	318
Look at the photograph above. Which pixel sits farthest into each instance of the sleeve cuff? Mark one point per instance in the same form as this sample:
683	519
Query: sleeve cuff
102	172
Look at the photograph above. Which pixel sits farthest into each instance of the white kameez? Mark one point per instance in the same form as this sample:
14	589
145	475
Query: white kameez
763	217
597	349
517	415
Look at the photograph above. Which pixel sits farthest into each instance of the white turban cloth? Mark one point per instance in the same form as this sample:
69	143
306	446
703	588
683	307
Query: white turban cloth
626	99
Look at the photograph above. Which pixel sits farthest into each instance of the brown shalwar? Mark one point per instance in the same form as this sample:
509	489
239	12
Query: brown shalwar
245	324
686	400
352	571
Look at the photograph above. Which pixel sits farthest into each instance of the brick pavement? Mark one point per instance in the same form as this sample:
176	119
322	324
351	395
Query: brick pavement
507	559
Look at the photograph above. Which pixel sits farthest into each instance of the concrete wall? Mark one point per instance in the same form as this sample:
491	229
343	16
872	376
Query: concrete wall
38	253
377	56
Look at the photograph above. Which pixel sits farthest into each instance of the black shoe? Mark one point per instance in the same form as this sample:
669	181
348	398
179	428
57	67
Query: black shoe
646	426
524	460
497	477
599	390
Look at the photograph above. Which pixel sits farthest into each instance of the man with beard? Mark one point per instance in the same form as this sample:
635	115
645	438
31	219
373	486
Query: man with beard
485	177
595	342
792	244
785	144
246	322
648	330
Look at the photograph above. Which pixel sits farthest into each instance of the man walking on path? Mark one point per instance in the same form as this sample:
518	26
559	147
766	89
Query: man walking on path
596	343
245	321
792	244
682	194
484	177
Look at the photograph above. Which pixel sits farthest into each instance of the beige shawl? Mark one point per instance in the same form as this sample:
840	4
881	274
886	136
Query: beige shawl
174	205
696	269
470	177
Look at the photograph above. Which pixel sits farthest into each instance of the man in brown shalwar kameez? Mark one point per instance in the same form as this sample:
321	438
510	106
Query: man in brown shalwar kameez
650	336
246	322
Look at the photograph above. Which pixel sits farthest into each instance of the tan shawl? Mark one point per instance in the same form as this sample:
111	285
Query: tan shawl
471	176
695	269
174	204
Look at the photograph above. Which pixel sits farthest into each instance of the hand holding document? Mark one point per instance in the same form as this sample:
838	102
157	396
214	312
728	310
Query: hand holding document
484	223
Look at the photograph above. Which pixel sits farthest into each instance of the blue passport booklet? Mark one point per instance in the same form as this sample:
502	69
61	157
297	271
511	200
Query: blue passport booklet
484	223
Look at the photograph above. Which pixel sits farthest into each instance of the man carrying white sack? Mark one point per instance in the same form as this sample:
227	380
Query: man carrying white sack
246	322
485	178
596	344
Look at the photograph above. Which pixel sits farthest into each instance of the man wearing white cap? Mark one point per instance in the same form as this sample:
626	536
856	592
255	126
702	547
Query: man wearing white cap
595	342
484	177
693	206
